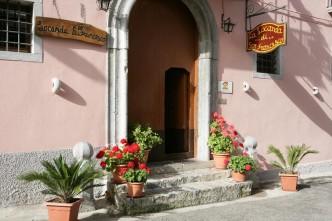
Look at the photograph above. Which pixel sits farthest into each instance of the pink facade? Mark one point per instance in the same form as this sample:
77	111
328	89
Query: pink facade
32	117
279	112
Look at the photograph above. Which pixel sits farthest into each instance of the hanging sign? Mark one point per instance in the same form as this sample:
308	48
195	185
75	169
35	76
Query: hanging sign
266	37
60	28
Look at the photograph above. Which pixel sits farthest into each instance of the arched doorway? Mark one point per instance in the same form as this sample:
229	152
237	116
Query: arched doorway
118	69
162	74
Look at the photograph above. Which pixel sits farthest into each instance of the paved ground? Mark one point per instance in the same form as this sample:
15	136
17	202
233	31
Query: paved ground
313	202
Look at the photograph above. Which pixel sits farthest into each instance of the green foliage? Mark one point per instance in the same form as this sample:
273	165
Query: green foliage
63	180
220	144
136	175
145	137
294	156
240	164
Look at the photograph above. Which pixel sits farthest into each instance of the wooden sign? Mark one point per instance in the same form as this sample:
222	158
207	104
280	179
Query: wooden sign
266	37
70	30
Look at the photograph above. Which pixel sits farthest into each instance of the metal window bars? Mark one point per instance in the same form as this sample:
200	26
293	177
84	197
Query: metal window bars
15	26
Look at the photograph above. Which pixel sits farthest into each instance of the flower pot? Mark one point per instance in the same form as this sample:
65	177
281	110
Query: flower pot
117	176
288	182
135	189
238	177
146	156
63	211
221	160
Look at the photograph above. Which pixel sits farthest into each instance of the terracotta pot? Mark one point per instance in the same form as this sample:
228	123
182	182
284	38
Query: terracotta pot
288	182
238	177
135	189
117	178
63	211
146	156
221	160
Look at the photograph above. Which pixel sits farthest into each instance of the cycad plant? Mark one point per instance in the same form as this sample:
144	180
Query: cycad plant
294	156
63	180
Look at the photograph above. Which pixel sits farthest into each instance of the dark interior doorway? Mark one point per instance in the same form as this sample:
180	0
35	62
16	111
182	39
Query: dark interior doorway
176	110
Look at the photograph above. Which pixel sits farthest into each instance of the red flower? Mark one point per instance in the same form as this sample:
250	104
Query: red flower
119	155
215	115
115	149
111	153
235	144
131	164
226	161
122	171
135	147
241	144
100	154
235	133
142	166
103	164
123	141
136	161
125	149
245	154
248	167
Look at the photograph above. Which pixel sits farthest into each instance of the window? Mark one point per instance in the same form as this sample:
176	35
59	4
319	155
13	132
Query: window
329	3
15	26
17	39
268	65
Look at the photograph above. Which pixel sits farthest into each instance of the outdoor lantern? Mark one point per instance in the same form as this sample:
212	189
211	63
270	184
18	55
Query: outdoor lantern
226	24
103	4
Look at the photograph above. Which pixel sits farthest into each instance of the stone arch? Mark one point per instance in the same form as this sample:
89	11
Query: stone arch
118	69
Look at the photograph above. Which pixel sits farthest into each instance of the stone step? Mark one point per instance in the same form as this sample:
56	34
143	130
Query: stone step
188	194
179	166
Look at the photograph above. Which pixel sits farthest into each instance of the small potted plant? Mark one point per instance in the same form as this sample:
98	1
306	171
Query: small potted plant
115	160
222	141
146	138
288	174
136	175
241	166
65	182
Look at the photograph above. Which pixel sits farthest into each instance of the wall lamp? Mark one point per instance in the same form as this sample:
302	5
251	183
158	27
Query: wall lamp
227	24
103	4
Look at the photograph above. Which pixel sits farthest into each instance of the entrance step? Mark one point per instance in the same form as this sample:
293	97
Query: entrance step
189	194
175	185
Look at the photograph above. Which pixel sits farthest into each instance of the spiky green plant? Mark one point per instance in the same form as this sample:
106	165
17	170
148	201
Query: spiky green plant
63	180
294	156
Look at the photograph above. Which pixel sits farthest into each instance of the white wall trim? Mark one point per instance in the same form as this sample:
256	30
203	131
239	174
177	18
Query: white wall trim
36	54
118	73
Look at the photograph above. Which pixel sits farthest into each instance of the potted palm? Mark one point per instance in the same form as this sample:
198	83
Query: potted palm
288	174
65	182
223	140
136	175
146	138
241	166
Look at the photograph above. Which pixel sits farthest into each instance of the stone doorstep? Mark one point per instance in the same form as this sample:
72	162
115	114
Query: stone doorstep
188	194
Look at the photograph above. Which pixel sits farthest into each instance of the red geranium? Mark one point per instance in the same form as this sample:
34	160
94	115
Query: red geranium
123	141
103	164
100	154
248	167
142	166
131	164
119	155
226	161
115	149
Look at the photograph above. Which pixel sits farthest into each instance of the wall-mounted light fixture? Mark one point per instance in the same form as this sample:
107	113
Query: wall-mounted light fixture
315	91
56	85
227	24
245	86
103	4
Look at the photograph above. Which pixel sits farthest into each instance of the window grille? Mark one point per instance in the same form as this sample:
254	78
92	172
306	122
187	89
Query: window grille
268	63
15	26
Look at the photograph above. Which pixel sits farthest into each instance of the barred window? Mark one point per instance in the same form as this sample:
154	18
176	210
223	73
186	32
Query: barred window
16	26
329	3
268	63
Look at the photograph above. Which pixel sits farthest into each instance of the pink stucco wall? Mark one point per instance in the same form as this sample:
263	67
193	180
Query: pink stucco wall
32	118
281	112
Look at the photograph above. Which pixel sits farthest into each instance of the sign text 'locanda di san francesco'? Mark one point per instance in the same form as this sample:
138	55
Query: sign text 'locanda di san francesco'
266	37
60	28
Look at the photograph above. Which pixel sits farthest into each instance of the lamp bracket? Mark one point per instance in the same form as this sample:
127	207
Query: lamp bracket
254	9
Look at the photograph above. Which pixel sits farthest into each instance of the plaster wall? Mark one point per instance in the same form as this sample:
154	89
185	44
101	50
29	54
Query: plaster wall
281	112
31	117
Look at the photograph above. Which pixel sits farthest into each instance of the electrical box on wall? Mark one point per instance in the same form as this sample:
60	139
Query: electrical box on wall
225	87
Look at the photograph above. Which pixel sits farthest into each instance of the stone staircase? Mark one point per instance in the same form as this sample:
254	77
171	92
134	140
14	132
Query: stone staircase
176	185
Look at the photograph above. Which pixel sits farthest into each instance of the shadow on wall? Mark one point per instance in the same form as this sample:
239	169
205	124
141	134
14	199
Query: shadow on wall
71	95
63	51
314	50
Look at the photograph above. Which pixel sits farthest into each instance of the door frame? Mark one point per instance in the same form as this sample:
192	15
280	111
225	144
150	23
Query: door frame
117	107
